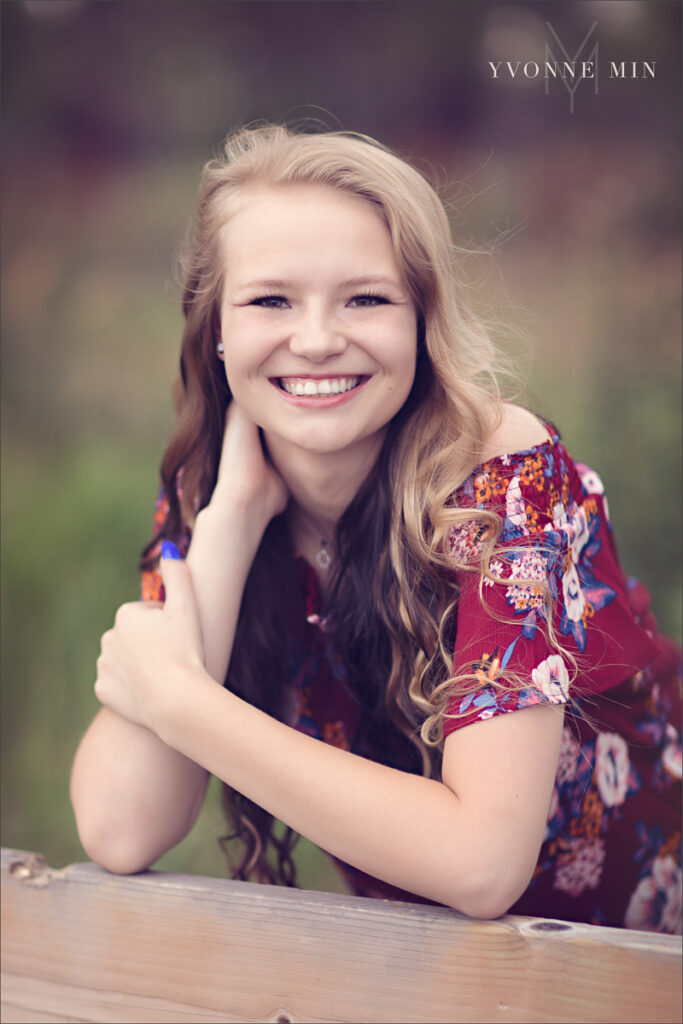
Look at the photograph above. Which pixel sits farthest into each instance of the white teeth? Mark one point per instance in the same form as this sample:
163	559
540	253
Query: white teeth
326	386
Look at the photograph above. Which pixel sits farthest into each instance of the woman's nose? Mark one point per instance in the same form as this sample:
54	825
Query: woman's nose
317	337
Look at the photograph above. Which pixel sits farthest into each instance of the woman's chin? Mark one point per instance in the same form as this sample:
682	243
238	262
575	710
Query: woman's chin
326	443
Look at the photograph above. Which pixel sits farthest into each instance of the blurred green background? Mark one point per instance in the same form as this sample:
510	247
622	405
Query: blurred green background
109	110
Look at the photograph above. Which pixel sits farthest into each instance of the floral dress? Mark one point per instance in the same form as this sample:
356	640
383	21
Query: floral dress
611	854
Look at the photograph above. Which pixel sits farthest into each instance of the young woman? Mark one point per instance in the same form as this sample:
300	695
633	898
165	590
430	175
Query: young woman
382	555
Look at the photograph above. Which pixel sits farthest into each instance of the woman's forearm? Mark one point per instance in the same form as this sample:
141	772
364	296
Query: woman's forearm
133	796
222	550
413	832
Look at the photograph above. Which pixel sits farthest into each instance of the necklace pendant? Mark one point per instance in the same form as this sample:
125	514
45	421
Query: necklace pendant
324	558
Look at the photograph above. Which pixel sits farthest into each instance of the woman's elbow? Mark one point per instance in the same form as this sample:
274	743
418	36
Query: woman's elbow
486	905
119	858
118	853
490	893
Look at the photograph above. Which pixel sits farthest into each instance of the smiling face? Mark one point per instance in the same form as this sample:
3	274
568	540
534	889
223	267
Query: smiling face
319	329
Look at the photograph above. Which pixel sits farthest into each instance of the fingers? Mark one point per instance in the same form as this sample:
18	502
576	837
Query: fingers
240	440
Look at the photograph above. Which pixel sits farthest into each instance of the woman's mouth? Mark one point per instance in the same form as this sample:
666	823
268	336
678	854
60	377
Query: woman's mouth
324	386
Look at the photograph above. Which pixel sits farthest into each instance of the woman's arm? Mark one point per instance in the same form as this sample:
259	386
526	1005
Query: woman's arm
470	842
134	797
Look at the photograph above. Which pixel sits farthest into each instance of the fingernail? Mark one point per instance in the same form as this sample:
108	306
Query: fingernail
169	550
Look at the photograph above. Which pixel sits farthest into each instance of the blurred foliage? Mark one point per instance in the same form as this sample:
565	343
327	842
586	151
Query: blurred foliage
109	111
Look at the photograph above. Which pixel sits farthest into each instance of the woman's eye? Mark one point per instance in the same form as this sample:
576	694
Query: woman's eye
270	302
368	300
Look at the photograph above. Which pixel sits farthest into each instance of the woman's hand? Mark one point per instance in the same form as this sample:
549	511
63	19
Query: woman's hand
153	649
247	480
227	533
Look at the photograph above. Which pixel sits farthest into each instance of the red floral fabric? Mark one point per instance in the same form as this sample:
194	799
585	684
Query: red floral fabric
612	850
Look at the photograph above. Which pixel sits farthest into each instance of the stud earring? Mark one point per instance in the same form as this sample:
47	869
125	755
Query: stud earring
219	348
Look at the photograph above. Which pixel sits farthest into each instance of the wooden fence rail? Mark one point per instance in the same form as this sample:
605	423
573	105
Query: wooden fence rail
80	944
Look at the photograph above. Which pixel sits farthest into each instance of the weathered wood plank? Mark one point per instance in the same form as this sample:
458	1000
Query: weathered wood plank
83	945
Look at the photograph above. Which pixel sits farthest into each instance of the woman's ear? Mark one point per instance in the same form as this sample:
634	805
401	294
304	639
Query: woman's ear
217	332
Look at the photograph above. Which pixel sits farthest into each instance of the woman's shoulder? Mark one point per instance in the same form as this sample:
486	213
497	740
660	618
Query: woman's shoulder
517	430
524	461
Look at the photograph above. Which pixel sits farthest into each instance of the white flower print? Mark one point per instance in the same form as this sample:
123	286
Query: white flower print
574	599
593	485
612	767
496	568
581	867
579	533
552	678
530	565
655	904
569	756
574	527
464	542
671	755
559	517
514	504
590	480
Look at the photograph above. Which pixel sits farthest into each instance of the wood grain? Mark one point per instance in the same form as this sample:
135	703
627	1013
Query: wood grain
83	945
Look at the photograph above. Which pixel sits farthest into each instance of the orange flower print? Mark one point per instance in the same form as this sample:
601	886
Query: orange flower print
498	484
526	475
334	734
487	668
590	822
531	518
151	586
482	487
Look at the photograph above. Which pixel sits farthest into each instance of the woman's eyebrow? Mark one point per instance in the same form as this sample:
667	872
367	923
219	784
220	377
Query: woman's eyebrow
352	282
270	282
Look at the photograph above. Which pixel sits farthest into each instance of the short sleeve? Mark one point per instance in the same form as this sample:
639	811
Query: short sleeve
556	530
151	584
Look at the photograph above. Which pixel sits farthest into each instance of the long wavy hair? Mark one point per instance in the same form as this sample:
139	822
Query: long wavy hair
392	604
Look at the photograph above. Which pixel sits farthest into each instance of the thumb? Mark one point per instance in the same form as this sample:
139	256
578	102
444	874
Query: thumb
177	580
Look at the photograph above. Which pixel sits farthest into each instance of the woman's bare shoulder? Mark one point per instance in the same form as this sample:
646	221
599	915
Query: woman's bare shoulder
518	429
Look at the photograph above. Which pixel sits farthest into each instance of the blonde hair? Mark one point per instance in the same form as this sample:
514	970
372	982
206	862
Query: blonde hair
436	440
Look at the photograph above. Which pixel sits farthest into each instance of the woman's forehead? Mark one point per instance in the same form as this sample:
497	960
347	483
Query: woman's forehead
290	199
291	222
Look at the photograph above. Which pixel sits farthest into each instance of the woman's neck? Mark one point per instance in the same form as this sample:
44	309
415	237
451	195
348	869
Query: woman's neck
321	485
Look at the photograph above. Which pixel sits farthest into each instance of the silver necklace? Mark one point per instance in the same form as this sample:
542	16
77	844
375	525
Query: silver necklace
324	558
